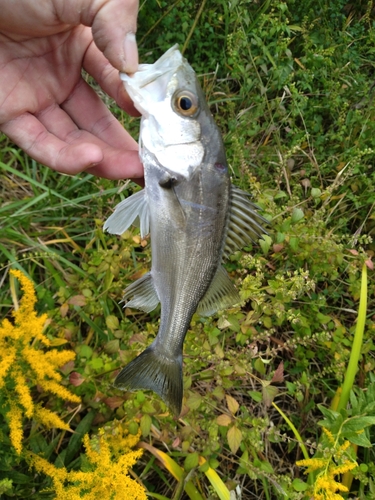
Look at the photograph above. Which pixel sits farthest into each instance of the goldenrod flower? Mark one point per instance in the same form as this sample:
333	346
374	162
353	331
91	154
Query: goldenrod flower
341	469
107	476
23	365
49	419
24	396
329	435
15	426
325	486
6	362
312	464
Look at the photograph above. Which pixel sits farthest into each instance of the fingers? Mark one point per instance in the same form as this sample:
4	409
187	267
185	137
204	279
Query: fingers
53	139
113	23
108	78
89	113
116	166
32	136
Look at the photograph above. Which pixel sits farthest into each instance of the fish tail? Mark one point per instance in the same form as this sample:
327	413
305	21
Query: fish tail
155	370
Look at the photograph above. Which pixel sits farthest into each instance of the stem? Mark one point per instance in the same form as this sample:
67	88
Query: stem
194	26
355	354
297	436
357	344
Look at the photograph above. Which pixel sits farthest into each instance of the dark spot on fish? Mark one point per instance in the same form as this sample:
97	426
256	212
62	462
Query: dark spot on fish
221	167
167	182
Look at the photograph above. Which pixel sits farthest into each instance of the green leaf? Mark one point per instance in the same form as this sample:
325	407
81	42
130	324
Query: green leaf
234	436
358	423
145	425
133	428
330	415
75	441
259	366
84	351
316	192
112	346
265	243
293	242
194	401
232	404
112	322
191	461
174	469
297	215
299	485
256	395
358	439
215	480
269	394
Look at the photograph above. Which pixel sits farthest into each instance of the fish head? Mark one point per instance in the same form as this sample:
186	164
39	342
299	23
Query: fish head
168	95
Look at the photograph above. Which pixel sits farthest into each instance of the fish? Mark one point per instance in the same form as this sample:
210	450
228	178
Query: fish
195	217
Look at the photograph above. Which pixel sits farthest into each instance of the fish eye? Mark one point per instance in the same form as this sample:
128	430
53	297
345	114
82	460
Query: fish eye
185	103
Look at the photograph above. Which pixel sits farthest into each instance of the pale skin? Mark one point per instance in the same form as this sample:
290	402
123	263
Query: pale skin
46	107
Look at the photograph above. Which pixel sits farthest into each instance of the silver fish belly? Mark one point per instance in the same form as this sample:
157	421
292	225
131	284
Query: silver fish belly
194	215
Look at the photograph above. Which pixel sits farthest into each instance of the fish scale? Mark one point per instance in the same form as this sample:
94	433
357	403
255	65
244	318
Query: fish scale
195	218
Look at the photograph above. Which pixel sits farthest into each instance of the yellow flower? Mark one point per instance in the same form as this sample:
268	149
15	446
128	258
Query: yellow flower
24	396
59	390
325	486
23	365
329	435
15	426
49	419
341	469
106	478
312	464
6	363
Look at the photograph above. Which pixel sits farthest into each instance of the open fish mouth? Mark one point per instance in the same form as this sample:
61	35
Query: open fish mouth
154	82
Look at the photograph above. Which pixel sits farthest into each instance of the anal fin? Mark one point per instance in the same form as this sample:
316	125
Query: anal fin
220	295
142	294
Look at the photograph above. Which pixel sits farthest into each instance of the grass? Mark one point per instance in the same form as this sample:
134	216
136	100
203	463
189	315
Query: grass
290	85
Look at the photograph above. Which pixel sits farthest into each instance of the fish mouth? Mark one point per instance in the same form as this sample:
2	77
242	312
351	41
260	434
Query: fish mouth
153	82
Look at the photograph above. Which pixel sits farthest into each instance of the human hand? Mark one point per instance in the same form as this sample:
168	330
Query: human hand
46	107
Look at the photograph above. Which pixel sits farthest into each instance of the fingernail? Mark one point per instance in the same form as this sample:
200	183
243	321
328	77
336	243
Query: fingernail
131	53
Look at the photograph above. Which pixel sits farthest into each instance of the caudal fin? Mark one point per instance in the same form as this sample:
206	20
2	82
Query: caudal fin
153	370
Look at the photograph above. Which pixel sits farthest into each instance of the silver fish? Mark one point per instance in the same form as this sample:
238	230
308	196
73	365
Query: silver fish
194	215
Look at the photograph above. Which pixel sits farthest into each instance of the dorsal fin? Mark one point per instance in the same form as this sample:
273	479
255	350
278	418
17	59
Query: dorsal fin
244	224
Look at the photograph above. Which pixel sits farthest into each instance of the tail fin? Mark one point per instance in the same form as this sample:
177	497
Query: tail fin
153	370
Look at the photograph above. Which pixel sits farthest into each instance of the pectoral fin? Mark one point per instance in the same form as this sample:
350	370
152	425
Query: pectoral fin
221	294
244	222
142	293
134	210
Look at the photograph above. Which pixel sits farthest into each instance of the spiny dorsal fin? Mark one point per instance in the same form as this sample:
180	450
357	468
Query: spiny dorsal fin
142	293
244	222
221	294
132	210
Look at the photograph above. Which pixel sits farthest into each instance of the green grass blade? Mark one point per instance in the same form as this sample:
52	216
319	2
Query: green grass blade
357	344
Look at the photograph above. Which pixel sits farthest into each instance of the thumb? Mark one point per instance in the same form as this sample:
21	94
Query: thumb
114	29
114	24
